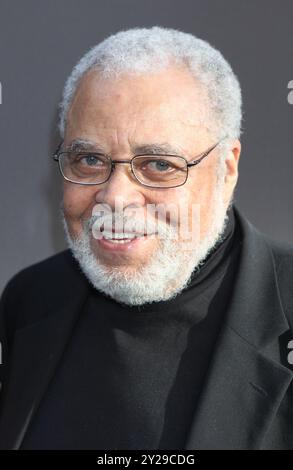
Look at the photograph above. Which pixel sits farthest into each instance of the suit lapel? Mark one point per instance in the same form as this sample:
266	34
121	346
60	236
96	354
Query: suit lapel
241	396
36	351
246	382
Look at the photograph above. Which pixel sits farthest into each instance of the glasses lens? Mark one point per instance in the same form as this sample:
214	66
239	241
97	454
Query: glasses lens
160	170
84	167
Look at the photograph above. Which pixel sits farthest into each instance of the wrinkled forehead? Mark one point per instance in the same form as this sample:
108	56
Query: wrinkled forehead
169	105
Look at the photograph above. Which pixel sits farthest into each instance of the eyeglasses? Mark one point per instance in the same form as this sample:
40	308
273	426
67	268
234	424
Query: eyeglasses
154	171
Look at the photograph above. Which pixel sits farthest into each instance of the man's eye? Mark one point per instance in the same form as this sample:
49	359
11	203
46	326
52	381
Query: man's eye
91	160
158	165
88	160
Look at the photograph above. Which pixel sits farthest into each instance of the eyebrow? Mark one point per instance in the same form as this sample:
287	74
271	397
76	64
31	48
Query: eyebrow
83	145
157	149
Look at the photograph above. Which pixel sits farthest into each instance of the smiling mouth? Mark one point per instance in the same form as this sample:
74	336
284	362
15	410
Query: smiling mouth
116	237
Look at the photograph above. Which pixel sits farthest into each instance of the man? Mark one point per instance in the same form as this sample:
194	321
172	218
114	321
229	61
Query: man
167	322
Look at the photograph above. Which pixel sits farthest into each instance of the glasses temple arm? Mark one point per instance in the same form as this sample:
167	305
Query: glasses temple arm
55	154
205	154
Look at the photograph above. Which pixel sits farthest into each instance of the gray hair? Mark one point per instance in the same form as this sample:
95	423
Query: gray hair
149	50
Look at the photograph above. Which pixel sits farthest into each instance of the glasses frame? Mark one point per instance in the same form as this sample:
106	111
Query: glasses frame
57	154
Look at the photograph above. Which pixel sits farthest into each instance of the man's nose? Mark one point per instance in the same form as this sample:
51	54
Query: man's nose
121	188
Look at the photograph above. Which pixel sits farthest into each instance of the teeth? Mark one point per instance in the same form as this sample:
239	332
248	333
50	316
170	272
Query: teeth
118	241
119	236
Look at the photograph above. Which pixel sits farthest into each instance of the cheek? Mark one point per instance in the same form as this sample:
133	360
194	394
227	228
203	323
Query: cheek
77	201
198	199
176	204
201	191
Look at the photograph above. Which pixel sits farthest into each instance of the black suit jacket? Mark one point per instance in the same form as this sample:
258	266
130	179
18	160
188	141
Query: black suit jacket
247	400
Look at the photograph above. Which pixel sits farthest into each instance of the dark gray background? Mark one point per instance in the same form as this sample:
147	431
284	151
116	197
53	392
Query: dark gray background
40	41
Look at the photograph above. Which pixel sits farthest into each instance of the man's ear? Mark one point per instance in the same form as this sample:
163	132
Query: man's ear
231	161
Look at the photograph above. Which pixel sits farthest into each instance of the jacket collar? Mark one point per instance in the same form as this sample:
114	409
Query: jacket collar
245	383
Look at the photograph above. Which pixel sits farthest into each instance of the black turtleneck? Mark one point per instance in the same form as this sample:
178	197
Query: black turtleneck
131	377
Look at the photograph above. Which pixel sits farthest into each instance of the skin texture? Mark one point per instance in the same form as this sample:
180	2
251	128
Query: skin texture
119	114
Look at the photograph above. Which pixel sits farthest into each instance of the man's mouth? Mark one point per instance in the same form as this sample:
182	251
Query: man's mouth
121	237
124	236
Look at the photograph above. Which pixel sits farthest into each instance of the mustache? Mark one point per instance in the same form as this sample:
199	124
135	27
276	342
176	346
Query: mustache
124	223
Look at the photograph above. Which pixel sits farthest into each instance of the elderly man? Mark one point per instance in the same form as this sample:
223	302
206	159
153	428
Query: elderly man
165	325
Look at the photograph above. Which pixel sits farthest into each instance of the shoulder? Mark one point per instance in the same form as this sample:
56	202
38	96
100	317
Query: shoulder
33	277
282	254
40	288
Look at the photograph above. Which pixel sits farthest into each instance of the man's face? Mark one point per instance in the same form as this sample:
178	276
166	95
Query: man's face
119	116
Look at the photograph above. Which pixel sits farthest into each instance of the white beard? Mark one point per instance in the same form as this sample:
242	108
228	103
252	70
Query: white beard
167	272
